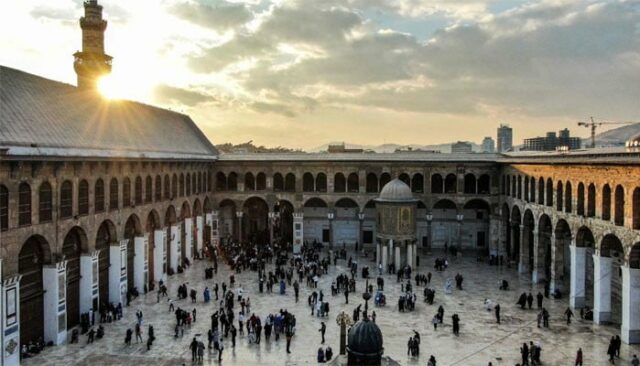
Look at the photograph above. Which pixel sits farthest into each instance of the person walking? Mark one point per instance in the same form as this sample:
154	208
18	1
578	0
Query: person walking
579	357
524	352
456	324
529	300
220	349
568	313
539	297
635	361
611	350
138	333
497	310
194	350
322	330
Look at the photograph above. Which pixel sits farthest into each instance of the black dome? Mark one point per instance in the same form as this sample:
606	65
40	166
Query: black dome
365	338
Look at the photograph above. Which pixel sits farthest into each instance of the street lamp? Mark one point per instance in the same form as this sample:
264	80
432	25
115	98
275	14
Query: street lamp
330	216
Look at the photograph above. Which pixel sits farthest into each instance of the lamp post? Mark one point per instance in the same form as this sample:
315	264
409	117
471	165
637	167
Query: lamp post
429	231
360	233
343	319
330	217
459	217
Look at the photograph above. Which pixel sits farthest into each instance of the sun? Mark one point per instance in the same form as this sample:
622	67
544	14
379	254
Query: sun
110	88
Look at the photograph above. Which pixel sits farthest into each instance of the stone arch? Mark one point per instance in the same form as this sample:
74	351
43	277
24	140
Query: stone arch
232	182
353	183
283	228
527	241
561	256
476	204
580	200
586	244
618	217
45	202
404	177
261	181
484	184
634	256
437	183
636	209
372	183
197	208
346	203
417	183
445	204
591	200
74	244
339	183
153	223
451	184
519	187
568	198
221	182
290	182
505	216
541	191
559	196
185	210
321	182
105	236
549	193
606	202
249	182
227	218
516	221
526	188
308	182
255	220
34	253
544	250
315	202
126	192
66	198
206	205
384	179
278	182
611	247
132	228
188	184
532	189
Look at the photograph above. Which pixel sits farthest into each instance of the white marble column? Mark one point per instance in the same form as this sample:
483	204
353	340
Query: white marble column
54	280
199	235
398	256
140	261
408	250
378	254
630	328
537	275
414	257
391	251
118	272
88	281
188	237
577	289
601	289
10	355
159	254
174	248
385	254
298	231
523	263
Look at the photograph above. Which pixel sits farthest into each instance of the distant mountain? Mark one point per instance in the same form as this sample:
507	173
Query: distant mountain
614	137
390	147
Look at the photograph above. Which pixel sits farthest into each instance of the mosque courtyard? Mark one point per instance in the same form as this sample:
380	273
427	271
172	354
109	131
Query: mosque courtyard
481	340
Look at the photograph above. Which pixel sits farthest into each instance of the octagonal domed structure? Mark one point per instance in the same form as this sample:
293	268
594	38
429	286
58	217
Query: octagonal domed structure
634	142
396	191
365	344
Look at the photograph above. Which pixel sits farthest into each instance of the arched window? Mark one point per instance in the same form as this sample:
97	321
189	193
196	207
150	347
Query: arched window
484	184
372	183
249	182
533	189
353	184
290	182
606	202
148	189
158	189
174	186
549	193
188	181
417	183
137	191
559	196
126	192
83	197
113	194
261	181
181	188
308	182
591	200
437	184
451	184
384	179
636	208
194	183
541	191
339	183
4	208
321	182
199	182
503	187
568	198
66	199
619	208
210	181
470	184
519	187
514	186
580	199
167	187
278	183
526	189
508	185
404	177
24	204
221	182
45	201
99	196
232	182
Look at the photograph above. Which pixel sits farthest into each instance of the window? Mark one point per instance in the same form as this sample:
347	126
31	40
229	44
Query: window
174	186
137	196
83	197
66	199
181	193
24	204
113	194
167	188
126	192
4	208
45	213
606	202
618	218
339	183
148	189
158	190
188	180
99	196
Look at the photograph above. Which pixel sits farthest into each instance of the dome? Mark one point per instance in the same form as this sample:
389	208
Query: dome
634	142
365	339
396	191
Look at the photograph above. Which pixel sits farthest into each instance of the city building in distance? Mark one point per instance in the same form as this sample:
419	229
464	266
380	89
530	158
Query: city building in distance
551	142
488	145
505	138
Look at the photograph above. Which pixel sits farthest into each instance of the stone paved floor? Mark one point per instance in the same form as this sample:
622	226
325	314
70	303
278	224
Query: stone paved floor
481	339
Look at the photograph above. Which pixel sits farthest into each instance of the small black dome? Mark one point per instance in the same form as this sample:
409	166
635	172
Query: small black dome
365	339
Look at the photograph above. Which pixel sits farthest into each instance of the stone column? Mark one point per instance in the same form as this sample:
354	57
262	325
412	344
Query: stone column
199	235
271	216
159	254
601	289
429	235
408	253
188	237
215	228
118	272
174	248
630	305
298	231
239	215
391	252
538	274
140	261
378	253
88	280
10	355
578	277
398	256
414	256
459	235
385	254
523	263
54	280
495	235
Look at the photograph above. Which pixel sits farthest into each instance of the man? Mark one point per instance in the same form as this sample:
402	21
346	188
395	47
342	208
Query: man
529	300
524	351
579	358
346	294
568	313
497	310
220	349
539	297
322	330
194	350
233	336
634	361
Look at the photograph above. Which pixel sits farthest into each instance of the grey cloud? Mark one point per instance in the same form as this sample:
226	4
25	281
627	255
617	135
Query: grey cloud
215	17
276	108
169	94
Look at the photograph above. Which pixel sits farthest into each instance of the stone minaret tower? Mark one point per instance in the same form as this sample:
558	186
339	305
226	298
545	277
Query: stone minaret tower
92	63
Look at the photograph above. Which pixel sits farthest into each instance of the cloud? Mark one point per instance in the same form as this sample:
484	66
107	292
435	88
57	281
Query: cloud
221	17
168	94
276	108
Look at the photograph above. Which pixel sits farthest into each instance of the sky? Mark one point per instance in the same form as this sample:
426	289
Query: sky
302	73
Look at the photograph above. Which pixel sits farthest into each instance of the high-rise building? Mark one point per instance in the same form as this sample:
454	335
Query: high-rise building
461	147
553	141
505	138
488	145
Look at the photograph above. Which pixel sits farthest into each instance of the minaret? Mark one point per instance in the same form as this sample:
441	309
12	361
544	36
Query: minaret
92	63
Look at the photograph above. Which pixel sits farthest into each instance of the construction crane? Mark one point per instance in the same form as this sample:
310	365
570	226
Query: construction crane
595	124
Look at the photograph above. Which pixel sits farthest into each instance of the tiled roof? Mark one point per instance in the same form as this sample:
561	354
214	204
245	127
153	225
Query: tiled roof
356	157
39	116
